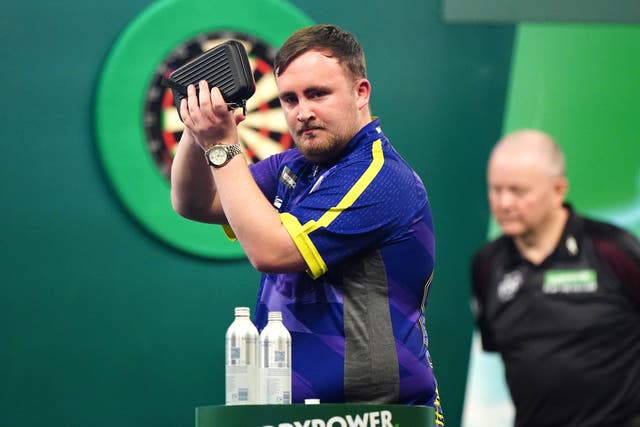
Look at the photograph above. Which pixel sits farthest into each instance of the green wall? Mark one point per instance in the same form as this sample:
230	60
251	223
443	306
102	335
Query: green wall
102	324
578	82
581	83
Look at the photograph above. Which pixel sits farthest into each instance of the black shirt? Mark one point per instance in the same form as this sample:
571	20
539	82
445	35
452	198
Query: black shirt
568	330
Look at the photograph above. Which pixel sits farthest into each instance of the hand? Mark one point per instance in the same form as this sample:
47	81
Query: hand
207	117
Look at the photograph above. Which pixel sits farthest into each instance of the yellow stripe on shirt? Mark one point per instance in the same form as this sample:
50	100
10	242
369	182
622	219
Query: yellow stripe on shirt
316	266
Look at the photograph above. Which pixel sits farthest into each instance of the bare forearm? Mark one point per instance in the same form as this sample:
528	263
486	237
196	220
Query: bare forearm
193	190
255	222
202	195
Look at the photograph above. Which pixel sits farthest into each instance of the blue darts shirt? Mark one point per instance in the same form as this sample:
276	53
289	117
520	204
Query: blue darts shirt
356	316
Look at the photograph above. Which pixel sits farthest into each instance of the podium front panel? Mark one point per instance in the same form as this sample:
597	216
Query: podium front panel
322	415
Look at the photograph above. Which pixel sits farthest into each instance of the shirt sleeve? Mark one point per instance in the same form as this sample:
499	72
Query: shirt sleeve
621	250
354	208
480	281
333	218
265	174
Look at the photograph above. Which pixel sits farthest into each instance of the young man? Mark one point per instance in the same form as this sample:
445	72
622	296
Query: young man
340	225
558	295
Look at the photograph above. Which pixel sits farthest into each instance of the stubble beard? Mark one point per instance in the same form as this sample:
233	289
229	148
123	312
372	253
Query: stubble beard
321	146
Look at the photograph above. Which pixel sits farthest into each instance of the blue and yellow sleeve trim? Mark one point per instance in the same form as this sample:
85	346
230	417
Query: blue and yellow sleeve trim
316	266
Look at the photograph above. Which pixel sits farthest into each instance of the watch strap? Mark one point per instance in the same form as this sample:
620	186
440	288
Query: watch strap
231	150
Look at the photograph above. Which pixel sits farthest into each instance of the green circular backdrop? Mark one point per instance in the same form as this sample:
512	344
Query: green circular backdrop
120	100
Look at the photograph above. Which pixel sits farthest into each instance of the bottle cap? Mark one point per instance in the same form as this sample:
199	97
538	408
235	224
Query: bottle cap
242	311
275	315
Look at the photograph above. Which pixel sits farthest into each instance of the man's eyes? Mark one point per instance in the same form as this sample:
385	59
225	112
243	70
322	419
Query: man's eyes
287	99
517	191
310	95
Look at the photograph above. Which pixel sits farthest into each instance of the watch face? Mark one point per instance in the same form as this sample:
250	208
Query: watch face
217	156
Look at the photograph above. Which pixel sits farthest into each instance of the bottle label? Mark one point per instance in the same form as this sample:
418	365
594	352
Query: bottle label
241	372
275	354
241	385
275	386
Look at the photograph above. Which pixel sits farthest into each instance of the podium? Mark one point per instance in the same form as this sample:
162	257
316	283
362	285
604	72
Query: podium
322	415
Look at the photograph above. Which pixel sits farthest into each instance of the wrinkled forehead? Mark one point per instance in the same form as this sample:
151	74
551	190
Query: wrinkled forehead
519	173
531	155
326	53
516	159
311	69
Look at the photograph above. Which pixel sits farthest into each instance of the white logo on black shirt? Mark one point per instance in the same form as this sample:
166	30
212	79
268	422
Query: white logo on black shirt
509	285
572	245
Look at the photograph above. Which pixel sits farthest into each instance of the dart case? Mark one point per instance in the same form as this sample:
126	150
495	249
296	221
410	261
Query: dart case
225	66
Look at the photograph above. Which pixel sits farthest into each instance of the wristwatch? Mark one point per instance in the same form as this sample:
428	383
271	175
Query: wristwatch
219	155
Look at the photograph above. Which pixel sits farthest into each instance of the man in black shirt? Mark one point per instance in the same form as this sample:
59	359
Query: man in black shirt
557	295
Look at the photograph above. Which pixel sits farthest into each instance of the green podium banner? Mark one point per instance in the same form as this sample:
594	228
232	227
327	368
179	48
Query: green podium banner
322	415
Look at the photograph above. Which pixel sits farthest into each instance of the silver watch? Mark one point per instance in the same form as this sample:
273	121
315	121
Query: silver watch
219	155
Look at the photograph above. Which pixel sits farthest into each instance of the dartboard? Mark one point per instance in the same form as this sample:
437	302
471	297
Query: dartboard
263	132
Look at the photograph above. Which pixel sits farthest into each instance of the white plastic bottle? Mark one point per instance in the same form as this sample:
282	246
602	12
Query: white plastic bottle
275	362
241	360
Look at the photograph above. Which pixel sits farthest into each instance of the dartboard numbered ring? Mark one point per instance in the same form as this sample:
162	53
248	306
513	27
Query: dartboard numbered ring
137	125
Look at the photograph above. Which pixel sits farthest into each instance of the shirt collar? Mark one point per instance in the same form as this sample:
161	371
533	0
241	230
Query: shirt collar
569	246
369	133
570	243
